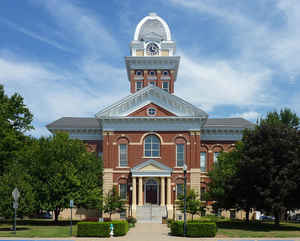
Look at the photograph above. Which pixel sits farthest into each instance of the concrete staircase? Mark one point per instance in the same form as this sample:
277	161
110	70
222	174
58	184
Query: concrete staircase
150	213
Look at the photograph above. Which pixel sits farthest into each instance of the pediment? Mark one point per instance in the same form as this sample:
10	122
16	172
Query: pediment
148	95
143	111
151	168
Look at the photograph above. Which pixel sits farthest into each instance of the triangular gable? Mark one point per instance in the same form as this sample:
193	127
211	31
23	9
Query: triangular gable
151	168
159	111
155	95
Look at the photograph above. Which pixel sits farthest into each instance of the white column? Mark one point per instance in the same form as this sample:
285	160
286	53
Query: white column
133	191
169	190
140	191
162	192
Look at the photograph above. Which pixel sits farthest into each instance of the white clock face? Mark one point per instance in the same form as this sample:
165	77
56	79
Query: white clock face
152	49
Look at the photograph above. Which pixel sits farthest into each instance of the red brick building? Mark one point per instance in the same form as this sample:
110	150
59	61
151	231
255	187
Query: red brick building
146	138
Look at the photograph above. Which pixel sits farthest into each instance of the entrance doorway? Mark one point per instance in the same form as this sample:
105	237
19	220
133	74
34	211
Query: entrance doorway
151	191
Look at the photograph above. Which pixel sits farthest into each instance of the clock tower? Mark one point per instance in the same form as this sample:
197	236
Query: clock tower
152	60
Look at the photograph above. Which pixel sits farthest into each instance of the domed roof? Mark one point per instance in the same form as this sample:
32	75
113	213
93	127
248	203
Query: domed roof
152	27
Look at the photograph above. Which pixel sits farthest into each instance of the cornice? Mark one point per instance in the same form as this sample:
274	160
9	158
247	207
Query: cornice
87	134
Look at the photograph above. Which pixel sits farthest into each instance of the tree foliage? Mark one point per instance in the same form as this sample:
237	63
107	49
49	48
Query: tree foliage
193	203
113	203
63	169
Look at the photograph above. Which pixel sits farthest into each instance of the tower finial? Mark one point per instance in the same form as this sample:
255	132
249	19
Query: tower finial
152	14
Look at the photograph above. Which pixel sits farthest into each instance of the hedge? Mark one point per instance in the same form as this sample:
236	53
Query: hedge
101	229
194	229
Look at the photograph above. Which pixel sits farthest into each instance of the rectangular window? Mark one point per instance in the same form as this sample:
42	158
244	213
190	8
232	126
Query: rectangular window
123	155
165	86
203	161
123	191
232	214
152	83
180	155
202	193
123	215
179	189
138	85
216	154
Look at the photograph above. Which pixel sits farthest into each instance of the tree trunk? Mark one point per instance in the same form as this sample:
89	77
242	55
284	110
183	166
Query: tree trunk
56	214
277	217
247	215
192	217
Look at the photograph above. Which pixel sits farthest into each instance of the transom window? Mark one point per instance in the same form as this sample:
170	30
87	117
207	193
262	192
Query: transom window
165	86
203	161
151	111
123	191
180	155
138	85
152	146
216	155
123	155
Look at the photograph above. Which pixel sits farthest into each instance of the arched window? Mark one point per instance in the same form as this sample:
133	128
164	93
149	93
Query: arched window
152	146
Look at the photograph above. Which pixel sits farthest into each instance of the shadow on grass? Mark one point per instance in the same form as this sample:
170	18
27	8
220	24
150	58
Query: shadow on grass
10	229
257	226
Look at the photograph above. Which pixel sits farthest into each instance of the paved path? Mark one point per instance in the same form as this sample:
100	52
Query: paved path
153	232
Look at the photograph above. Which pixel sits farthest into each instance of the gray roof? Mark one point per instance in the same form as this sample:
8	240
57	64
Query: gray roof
228	122
74	122
90	122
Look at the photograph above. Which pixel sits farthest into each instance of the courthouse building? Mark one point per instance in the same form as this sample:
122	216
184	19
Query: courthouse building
146	138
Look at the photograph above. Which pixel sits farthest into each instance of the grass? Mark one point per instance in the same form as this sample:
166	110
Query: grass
257	230
29	231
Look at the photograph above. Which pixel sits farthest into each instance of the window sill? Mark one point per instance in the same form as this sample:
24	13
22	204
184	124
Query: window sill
158	157
122	167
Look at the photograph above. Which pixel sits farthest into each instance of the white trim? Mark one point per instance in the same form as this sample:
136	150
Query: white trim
120	154
204	160
126	191
183	154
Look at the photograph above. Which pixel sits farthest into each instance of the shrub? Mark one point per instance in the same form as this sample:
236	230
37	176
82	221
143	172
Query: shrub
199	229
194	229
93	229
91	219
101	229
131	220
169	222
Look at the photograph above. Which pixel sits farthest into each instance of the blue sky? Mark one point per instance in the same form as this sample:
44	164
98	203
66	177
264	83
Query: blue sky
66	57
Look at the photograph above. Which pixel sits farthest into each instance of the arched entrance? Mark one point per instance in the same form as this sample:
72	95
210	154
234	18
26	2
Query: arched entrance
151	191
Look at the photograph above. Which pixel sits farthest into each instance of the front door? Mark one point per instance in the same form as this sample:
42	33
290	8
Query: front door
151	191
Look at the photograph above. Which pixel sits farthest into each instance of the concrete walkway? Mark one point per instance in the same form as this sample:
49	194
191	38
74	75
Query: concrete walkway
152	232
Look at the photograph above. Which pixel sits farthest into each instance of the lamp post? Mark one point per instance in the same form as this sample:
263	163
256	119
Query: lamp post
174	198
184	188
130	200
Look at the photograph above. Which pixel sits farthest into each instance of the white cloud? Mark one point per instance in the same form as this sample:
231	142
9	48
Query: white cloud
249	115
210	84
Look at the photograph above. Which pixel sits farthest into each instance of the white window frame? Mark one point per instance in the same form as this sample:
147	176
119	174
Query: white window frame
166	89
165	73
152	83
205	161
216	154
120	165
152	73
136	85
148	111
151	148
139	73
177	153
120	191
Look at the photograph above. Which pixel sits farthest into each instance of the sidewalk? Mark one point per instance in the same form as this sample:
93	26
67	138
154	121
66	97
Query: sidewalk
151	232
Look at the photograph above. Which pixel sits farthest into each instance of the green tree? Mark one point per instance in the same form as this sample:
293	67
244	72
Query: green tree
270	164
285	117
193	203
113	203
62	170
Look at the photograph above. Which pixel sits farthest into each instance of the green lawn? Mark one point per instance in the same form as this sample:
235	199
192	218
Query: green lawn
37	231
257	230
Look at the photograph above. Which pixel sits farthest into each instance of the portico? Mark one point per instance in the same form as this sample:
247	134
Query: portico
151	184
